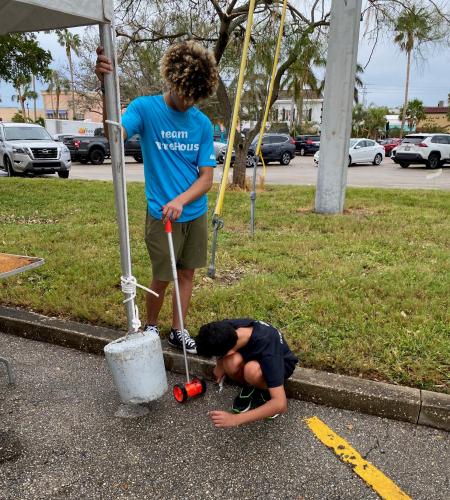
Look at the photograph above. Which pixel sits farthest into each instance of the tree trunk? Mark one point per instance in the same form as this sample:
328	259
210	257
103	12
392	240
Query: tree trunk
34	98
69	56
22	101
57	103
241	148
405	102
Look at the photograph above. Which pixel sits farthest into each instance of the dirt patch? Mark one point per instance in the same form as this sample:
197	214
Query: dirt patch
357	212
10	447
11	262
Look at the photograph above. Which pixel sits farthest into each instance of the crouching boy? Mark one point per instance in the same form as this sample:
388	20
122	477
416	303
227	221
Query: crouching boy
254	354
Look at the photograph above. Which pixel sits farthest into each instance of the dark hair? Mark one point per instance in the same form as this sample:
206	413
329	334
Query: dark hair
190	70
216	339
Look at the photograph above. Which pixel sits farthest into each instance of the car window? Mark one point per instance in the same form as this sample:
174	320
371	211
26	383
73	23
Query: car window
362	144
27	134
278	139
353	142
370	144
414	139
439	139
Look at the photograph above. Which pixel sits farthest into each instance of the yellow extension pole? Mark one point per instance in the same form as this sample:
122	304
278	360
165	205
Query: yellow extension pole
264	122
237	105
217	222
272	79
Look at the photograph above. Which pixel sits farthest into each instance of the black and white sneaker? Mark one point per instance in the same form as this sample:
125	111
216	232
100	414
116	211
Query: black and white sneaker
176	340
151	329
261	397
243	401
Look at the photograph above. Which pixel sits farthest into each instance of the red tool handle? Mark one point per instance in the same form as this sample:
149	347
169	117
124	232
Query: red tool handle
168	226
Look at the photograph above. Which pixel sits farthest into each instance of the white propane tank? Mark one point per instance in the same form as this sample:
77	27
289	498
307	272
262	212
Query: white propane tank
137	366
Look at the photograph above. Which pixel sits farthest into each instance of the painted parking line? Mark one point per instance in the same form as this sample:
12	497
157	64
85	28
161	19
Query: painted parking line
380	483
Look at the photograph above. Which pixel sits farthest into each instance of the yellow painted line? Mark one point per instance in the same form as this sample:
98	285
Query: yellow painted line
365	470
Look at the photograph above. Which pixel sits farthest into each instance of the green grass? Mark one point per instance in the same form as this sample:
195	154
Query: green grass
365	293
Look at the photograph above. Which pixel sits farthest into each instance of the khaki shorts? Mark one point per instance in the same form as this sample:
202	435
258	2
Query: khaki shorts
190	240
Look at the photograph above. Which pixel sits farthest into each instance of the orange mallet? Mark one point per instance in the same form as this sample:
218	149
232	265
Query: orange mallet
194	386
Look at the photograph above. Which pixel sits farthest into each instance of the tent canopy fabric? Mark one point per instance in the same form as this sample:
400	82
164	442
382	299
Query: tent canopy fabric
37	15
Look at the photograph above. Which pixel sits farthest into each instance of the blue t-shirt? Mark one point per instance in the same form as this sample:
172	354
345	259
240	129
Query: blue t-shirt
174	145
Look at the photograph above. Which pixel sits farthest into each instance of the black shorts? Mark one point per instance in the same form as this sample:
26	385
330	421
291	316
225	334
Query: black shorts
289	367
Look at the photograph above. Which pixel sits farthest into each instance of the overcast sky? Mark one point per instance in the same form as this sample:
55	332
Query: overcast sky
384	77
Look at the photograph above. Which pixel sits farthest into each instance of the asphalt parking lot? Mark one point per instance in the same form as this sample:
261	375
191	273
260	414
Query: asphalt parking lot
302	171
59	438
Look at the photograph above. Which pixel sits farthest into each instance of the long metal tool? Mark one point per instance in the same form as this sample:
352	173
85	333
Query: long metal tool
264	122
173	262
217	221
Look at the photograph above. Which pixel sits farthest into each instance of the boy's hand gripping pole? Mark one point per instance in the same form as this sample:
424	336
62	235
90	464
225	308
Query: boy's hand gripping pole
173	261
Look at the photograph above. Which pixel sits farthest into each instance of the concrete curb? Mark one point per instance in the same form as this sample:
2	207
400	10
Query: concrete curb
375	398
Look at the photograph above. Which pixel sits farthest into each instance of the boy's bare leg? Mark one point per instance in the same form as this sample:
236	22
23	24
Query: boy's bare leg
153	303
253	375
185	284
234	367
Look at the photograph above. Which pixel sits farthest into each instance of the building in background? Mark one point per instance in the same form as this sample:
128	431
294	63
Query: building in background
7	113
88	106
436	117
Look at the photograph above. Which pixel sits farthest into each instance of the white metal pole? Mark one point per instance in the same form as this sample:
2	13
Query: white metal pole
113	112
337	107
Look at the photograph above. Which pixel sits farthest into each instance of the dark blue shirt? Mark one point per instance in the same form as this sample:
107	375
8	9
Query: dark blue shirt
267	346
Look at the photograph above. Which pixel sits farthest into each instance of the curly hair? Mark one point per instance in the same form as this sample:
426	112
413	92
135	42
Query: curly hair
190	70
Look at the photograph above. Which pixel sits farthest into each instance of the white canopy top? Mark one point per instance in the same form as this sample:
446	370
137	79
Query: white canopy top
37	15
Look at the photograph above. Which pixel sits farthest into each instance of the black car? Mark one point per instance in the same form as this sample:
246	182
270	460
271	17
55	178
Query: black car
274	147
307	144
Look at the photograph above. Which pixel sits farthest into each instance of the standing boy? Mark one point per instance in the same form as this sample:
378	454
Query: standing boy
256	355
178	152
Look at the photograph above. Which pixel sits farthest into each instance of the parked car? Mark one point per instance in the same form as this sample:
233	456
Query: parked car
389	145
29	148
432	150
218	148
307	144
274	147
361	151
62	137
95	148
133	148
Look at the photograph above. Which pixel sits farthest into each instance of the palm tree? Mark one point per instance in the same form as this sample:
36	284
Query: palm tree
57	84
414	113
413	27
72	43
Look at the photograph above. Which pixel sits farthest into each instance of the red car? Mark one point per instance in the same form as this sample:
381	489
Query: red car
390	144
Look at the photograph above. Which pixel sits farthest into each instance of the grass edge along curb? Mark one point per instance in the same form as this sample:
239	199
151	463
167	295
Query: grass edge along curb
341	391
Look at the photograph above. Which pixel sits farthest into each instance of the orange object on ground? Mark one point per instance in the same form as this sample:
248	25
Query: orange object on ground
13	264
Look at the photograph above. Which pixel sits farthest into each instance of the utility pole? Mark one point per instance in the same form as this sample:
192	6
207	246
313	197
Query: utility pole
337	107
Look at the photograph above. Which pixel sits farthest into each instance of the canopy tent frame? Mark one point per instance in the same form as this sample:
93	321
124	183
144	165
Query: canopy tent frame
39	15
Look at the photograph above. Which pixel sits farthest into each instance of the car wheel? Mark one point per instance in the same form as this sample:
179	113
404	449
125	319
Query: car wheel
349	160
302	152
64	174
378	159
285	158
9	168
404	165
251	162
137	158
433	161
97	157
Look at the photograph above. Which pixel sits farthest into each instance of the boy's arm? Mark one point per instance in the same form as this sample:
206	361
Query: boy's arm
276	404
202	185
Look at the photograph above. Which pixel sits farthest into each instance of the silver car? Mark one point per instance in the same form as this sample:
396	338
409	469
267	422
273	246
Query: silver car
29	148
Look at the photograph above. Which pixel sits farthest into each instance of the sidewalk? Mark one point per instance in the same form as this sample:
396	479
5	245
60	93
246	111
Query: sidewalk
351	393
59	439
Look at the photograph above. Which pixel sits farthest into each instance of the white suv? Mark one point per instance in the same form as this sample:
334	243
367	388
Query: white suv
26	147
433	150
